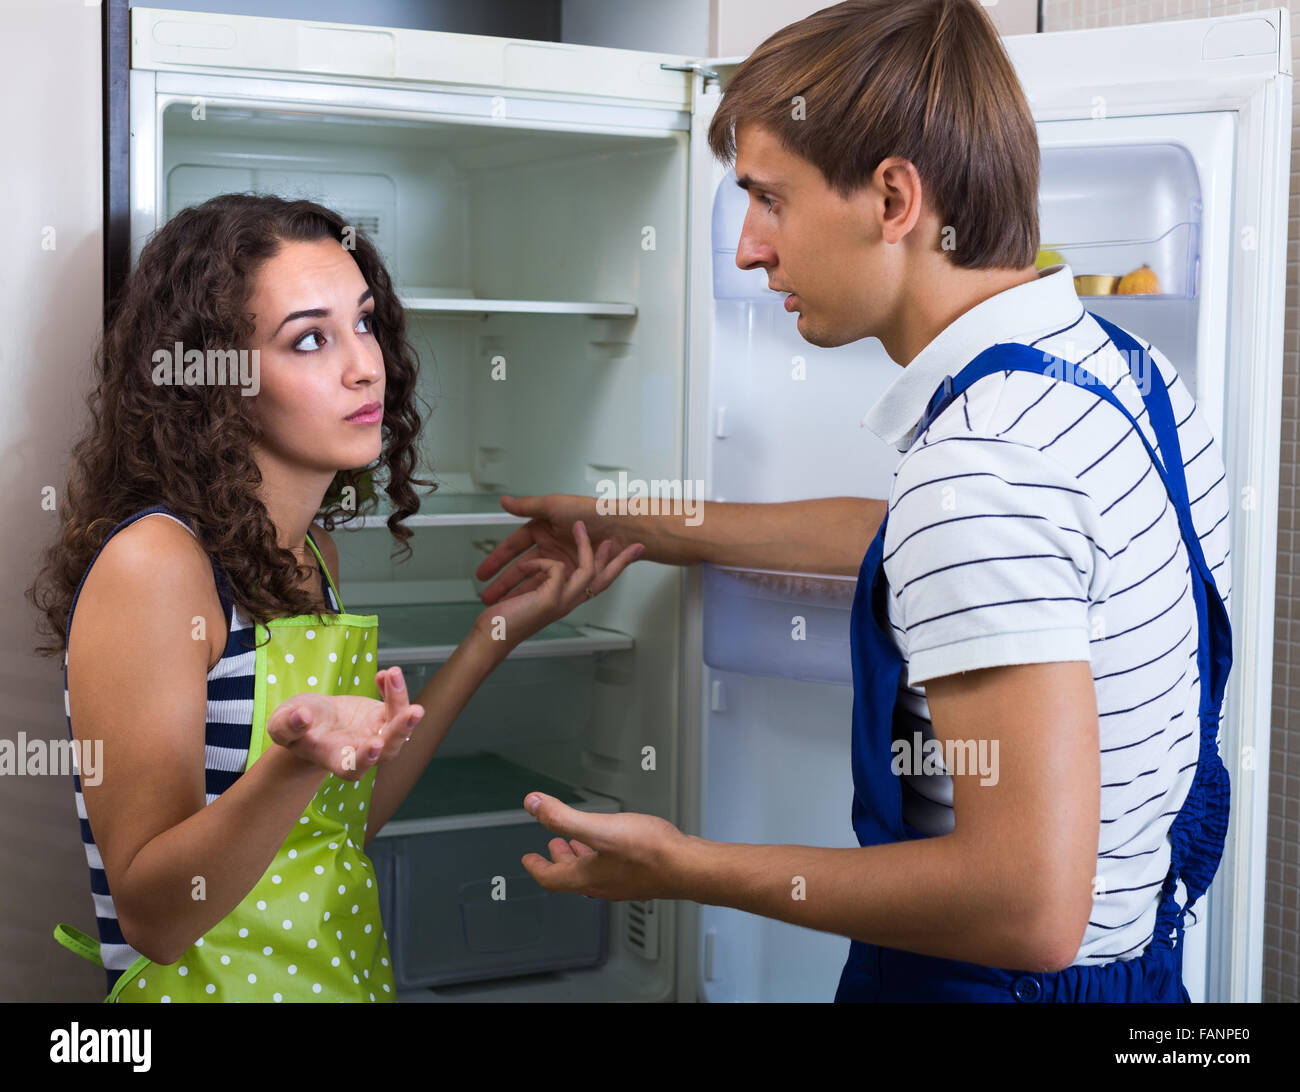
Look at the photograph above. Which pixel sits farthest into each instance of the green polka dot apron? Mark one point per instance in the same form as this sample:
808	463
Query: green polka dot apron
310	929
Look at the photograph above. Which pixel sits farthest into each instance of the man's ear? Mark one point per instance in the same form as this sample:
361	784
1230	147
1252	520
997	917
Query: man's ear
898	185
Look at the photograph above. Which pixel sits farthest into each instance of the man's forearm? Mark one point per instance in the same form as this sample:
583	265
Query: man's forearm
825	535
927	895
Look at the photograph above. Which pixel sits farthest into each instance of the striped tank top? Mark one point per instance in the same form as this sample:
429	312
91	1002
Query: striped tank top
227	734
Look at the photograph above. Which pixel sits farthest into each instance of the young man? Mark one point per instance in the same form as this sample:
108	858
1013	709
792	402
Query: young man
1036	577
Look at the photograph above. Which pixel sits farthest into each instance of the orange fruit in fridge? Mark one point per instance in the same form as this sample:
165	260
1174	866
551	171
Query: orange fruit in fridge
1140	282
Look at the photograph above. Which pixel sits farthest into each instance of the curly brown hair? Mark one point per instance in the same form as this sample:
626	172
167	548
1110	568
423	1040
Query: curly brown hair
189	446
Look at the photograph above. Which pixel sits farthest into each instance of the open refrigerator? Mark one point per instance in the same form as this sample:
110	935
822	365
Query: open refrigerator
552	212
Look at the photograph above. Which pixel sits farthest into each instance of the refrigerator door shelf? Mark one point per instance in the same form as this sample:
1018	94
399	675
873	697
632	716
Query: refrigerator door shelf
1171	256
791	625
1128	193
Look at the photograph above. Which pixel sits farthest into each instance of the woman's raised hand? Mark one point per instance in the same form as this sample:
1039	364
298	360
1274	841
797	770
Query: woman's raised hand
547	534
549	584
343	733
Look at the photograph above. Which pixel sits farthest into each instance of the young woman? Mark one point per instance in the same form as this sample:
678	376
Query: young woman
250	748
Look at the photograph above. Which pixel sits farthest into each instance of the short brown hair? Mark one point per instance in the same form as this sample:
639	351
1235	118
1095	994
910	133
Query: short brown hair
927	80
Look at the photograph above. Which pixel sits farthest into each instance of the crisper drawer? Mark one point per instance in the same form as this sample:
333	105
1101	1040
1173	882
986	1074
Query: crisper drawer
792	625
457	904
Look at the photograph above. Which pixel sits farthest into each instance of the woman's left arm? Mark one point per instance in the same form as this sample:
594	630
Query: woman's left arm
443	697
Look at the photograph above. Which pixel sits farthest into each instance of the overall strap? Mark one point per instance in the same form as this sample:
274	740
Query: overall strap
326	570
1158	407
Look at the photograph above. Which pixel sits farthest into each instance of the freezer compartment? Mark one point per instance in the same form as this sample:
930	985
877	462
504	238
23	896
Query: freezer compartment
457	904
792	625
460	207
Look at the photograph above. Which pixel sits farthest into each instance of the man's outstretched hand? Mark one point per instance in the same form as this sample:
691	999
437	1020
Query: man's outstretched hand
549	534
615	857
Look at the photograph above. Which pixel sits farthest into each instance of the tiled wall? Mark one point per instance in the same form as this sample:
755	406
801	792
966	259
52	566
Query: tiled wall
1282	909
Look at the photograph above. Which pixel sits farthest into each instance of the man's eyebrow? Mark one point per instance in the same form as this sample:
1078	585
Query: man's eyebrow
748	181
317	312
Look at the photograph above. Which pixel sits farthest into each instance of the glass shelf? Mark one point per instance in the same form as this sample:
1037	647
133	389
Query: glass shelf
456	302
426	633
444	508
483	789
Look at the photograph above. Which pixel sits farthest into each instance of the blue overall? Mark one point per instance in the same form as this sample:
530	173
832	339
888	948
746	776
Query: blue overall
875	973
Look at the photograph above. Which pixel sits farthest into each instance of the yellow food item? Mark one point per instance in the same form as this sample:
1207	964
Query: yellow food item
1138	283
1048	258
1092	284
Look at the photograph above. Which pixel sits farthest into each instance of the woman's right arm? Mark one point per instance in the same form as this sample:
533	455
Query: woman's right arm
137	680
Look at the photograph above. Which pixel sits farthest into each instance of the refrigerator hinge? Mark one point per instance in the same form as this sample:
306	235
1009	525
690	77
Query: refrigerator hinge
704	70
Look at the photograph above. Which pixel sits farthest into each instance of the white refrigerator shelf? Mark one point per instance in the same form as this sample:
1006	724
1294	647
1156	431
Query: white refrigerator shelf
470	306
427	633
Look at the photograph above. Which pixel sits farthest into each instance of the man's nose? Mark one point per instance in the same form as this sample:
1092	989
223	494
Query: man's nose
751	251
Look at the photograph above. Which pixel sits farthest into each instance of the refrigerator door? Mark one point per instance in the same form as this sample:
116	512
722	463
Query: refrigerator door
1218	91
770	417
1166	144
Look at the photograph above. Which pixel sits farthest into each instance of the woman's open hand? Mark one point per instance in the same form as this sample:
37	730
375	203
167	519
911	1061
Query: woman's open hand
344	733
551	587
547	534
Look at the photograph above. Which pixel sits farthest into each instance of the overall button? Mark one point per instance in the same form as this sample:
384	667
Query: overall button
1026	988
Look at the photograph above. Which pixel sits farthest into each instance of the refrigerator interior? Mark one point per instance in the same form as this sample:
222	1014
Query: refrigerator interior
784	423
558	256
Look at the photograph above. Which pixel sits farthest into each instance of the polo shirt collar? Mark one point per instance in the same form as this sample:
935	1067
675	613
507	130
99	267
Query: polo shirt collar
1023	313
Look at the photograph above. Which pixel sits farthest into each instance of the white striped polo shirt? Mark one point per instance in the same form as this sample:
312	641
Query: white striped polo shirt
1028	524
227	733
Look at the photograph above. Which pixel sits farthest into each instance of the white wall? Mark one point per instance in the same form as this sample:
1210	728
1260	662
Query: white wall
737	26
50	314
661	26
719	28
